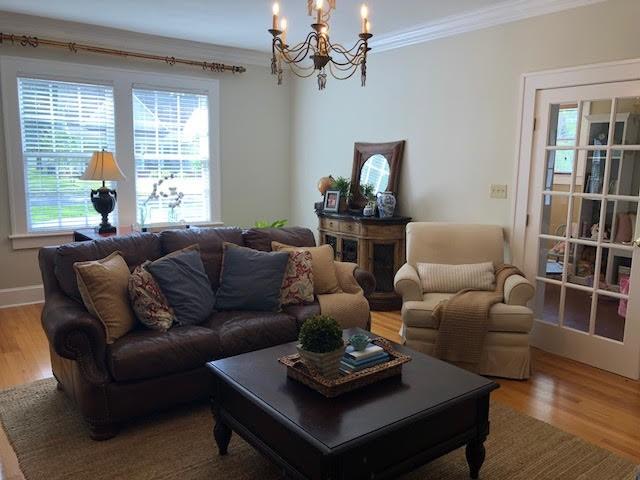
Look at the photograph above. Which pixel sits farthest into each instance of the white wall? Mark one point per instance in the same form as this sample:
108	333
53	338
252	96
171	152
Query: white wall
254	147
455	101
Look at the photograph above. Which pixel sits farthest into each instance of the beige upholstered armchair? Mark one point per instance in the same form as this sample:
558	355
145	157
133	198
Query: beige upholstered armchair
506	350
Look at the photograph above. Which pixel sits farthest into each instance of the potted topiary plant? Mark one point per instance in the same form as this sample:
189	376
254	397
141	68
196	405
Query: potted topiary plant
321	345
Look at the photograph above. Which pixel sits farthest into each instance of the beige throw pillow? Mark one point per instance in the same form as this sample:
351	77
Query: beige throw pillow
453	278
325	279
103	285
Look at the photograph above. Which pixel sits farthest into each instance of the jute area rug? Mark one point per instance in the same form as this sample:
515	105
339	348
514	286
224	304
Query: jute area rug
51	443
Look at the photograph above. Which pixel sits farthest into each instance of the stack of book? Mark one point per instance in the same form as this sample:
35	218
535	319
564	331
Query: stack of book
354	361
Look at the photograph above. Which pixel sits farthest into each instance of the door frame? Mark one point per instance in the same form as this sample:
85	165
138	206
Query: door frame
531	84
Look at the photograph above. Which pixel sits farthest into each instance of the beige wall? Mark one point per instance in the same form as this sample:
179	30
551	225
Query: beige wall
254	154
455	101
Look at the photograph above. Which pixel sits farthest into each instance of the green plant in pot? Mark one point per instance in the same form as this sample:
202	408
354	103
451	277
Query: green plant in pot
321	345
369	192
343	185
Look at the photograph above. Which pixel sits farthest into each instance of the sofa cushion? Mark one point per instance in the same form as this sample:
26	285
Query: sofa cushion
147	354
261	238
209	240
302	311
297	286
135	249
251	280
502	317
148	301
241	332
325	279
185	284
103	286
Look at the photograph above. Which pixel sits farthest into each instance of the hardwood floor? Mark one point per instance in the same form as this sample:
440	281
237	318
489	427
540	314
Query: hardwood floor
598	406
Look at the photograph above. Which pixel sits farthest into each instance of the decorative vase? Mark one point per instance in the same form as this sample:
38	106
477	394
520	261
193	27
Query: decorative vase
369	209
386	204
359	341
324	184
327	364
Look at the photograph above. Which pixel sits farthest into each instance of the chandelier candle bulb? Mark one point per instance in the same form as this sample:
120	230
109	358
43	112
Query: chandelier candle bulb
367	26
319	5
276	11
283	27
364	13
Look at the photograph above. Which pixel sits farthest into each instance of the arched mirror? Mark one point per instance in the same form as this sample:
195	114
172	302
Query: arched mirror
375	164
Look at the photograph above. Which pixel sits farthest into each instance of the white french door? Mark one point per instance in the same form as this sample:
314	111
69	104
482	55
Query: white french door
580	248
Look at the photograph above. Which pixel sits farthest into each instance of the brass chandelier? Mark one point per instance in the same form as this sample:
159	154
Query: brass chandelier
341	62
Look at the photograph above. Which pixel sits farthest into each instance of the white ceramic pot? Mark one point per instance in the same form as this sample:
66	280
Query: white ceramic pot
327	364
386	204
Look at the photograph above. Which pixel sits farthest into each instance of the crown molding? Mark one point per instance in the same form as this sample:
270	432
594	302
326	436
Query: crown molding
501	13
124	39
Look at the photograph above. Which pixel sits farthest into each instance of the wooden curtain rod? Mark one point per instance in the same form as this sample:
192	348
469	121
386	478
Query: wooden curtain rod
32	41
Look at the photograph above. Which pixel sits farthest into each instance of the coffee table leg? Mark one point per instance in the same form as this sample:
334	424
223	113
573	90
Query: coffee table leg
222	434
475	457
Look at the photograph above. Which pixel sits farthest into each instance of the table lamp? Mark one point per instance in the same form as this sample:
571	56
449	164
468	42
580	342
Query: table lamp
103	166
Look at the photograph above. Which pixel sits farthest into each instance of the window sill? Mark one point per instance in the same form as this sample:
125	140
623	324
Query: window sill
30	241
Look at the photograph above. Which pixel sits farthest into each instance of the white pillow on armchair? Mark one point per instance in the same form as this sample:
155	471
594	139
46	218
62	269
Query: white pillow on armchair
441	278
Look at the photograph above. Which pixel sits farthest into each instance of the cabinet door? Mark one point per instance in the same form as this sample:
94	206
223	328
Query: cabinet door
350	250
383	256
332	240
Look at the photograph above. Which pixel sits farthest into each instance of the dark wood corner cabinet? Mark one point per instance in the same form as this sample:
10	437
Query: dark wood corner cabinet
375	244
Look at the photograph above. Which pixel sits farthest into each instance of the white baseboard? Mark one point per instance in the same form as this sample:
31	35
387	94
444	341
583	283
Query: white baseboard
13	297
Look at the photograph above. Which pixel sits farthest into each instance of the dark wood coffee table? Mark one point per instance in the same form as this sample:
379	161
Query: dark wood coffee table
380	431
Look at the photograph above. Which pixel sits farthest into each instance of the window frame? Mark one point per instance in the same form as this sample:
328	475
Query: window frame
123	81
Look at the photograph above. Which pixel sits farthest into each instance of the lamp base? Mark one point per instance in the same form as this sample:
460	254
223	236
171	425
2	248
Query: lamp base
104	201
102	229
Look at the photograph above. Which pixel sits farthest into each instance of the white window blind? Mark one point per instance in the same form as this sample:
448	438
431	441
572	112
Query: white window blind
62	124
171	142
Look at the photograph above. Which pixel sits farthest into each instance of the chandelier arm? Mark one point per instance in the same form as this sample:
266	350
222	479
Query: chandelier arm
299	57
300	75
338	47
301	53
355	69
301	45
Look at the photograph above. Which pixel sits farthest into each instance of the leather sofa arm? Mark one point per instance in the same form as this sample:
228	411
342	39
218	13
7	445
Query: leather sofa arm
518	290
75	334
353	279
407	284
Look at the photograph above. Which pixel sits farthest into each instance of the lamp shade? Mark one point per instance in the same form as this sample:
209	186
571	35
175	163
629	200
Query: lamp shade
103	166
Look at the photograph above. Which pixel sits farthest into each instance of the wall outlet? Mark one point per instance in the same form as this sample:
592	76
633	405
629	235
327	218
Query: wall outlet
498	191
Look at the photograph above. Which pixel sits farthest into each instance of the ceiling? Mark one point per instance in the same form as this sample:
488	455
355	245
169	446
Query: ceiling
240	23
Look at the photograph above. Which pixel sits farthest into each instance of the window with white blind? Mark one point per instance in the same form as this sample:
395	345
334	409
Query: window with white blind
160	127
171	145
62	124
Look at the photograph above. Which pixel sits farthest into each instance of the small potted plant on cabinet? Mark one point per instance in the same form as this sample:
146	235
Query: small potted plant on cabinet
343	185
321	345
368	192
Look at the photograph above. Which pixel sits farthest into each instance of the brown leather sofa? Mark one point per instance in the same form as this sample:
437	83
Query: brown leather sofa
147	371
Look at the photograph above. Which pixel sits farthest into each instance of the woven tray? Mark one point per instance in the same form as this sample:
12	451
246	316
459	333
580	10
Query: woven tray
347	382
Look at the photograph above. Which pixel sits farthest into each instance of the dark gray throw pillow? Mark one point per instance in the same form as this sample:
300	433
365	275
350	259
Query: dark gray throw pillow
185	284
251	280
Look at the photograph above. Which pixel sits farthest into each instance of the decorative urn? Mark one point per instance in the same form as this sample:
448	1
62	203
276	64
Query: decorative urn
386	204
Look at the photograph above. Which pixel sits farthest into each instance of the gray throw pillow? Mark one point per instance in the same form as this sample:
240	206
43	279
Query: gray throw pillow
251	280
185	285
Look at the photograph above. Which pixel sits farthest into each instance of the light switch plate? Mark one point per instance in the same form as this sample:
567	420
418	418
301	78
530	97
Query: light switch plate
498	191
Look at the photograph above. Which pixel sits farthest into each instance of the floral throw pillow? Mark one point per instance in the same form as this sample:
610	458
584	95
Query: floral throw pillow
148	302
297	286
